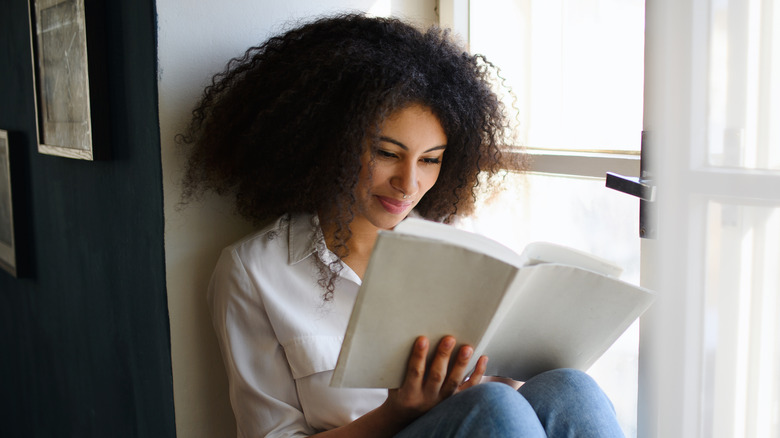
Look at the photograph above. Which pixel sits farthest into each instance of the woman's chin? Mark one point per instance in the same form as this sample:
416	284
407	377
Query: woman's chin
389	221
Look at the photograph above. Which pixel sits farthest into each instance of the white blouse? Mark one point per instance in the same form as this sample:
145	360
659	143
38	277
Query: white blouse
280	340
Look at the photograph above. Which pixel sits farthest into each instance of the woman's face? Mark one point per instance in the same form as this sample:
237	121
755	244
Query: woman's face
406	165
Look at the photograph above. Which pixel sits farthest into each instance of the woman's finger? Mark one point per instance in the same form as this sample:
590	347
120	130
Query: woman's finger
476	375
415	369
458	371
437	370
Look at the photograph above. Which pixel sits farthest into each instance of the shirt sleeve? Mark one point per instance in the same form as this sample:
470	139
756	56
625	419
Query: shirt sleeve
262	390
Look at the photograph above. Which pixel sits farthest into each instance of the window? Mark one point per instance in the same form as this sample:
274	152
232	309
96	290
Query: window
576	72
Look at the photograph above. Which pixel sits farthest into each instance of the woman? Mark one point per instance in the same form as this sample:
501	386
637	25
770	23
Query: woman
328	133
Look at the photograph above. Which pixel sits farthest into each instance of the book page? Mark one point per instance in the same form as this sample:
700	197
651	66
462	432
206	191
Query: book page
534	253
430	279
545	252
562	317
447	233
414	287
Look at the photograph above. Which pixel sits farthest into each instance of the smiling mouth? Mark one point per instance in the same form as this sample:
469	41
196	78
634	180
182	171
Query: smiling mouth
393	206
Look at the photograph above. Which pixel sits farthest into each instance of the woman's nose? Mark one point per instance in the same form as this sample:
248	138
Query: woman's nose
405	180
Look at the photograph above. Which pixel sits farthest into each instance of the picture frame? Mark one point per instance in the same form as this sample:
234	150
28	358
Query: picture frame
67	39
7	235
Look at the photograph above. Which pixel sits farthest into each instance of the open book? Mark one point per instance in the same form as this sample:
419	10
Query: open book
549	307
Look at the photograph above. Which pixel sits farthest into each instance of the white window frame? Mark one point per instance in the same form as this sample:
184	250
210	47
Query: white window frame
454	14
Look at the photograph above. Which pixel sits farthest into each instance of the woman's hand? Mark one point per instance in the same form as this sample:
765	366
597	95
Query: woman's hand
420	391
423	390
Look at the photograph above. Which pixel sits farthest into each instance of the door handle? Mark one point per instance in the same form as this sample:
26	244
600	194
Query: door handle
643	188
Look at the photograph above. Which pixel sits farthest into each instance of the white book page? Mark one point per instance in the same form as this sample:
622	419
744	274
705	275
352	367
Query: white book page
417	283
563	317
447	233
411	289
534	253
545	252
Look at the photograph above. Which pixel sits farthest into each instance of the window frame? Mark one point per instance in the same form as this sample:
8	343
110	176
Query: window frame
454	14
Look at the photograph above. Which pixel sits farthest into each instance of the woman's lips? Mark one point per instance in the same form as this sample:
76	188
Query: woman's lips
394	206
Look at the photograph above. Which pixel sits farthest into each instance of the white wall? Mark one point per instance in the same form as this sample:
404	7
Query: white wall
195	40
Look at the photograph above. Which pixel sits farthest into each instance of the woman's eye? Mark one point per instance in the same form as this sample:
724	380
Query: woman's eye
432	160
385	154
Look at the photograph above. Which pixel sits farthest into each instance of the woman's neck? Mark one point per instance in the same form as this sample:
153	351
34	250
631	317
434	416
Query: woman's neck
359	246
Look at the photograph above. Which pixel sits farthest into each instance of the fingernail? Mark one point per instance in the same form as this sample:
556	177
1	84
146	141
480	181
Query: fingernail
448	343
465	352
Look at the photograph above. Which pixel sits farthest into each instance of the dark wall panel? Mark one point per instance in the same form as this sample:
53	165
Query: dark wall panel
84	337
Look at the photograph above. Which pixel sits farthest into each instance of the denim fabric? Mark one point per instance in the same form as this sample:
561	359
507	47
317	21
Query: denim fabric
558	403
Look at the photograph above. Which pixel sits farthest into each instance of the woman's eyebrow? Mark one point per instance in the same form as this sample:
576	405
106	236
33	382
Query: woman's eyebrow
403	146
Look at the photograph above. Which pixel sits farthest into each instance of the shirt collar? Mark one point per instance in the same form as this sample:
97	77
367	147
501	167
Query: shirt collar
304	237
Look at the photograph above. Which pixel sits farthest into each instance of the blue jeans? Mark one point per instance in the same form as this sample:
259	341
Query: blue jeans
558	403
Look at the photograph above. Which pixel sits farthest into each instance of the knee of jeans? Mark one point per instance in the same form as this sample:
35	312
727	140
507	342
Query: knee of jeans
576	385
567	377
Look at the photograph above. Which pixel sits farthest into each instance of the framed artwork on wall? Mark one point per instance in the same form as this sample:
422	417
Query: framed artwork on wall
7	241
69	68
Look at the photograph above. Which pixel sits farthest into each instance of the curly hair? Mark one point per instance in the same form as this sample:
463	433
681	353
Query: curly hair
283	127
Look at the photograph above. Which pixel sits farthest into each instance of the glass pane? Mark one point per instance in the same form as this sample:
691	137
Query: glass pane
744	84
581	213
742	322
574	66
